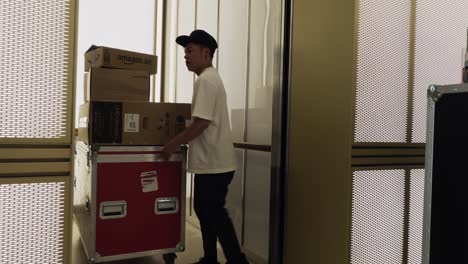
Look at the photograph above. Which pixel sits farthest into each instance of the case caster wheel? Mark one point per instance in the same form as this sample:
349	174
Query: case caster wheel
169	258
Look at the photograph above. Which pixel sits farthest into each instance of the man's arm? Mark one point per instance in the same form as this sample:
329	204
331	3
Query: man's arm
191	132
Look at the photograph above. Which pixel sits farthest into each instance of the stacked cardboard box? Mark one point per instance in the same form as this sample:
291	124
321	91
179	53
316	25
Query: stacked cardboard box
117	110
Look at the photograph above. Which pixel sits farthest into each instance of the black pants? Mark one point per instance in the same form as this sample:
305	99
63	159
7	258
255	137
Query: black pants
210	197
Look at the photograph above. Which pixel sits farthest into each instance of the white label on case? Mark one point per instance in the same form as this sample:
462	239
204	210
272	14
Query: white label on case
132	123
149	184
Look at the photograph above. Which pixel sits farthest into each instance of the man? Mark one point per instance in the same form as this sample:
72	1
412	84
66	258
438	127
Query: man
211	153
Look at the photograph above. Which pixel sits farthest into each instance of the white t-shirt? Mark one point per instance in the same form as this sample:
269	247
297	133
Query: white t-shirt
212	151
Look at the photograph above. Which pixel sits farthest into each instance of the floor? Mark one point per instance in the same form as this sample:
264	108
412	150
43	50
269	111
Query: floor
192	252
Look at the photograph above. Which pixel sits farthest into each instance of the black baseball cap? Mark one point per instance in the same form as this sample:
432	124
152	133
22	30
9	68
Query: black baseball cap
198	36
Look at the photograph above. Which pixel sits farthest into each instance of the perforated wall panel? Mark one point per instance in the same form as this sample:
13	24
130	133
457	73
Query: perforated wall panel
382	71
32	223
416	217
440	41
34	63
377	217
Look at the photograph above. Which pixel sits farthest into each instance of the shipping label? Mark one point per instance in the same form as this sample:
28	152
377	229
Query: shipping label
132	123
149	181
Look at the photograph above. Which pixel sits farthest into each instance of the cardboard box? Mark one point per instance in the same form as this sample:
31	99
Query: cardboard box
103	84
131	123
105	57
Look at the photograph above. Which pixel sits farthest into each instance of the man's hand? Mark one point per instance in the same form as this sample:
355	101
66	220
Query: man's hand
168	150
193	131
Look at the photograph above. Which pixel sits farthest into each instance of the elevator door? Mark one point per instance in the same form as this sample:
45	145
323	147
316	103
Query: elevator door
249	60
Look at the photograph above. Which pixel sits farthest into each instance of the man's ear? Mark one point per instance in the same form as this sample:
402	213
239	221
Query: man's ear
207	52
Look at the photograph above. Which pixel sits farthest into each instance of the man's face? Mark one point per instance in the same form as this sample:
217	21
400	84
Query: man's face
196	57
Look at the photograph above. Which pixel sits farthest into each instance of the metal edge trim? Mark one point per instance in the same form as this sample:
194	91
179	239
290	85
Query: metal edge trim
183	198
129	148
136	255
93	198
448	89
281	190
132	158
428	181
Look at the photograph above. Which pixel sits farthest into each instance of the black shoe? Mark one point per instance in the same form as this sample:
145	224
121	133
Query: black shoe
206	261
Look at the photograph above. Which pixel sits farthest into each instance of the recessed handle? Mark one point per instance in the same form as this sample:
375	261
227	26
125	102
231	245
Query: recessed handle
166	206
113	210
